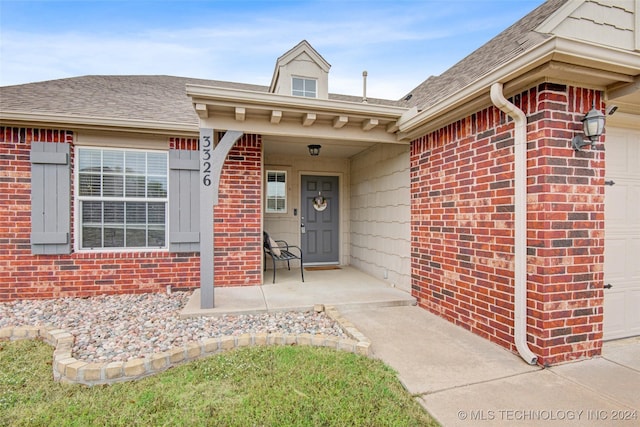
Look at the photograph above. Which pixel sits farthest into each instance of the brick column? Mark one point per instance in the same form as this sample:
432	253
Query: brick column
238	226
566	228
463	217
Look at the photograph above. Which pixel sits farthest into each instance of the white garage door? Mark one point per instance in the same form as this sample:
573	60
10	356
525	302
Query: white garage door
622	234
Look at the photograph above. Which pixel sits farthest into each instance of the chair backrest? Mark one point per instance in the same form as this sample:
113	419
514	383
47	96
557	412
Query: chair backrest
270	246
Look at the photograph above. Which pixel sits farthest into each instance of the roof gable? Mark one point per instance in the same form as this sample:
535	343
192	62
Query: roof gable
613	24
605	22
300	61
303	48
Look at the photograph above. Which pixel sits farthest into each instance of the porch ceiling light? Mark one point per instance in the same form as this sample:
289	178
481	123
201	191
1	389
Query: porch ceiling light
314	149
593	127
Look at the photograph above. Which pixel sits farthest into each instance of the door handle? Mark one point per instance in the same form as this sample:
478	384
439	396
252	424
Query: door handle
608	286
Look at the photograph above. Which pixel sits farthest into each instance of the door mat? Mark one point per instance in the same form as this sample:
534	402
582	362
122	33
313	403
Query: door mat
322	267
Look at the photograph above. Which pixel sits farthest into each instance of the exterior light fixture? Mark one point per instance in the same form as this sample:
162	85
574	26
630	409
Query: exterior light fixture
314	149
593	127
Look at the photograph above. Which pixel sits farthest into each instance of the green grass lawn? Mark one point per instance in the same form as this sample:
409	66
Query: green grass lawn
259	386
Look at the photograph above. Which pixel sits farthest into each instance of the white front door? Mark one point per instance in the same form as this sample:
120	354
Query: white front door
622	234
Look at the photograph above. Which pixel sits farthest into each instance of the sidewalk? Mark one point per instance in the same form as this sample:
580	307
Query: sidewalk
464	380
460	378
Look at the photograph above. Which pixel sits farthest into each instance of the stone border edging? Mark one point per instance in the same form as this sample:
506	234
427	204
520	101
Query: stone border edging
68	369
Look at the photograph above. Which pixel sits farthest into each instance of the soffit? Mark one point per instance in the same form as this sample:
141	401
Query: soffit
626	96
297	147
295	117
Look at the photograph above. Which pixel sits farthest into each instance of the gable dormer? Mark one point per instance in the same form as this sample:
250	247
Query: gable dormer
301	72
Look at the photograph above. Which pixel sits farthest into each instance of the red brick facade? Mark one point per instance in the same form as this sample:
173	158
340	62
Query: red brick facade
237	218
462	232
238	232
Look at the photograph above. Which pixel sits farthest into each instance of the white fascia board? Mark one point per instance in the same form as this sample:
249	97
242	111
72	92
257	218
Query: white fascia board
25	118
215	95
598	56
561	49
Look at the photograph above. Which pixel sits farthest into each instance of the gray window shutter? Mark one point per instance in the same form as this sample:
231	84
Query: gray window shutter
50	198
184	201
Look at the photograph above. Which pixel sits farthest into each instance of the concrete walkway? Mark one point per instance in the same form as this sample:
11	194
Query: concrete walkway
459	378
464	380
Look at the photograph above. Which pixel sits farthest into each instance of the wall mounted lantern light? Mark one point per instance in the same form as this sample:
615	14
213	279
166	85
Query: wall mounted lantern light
314	149
592	126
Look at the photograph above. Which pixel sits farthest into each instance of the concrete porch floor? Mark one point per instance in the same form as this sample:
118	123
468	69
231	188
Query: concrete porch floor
344	288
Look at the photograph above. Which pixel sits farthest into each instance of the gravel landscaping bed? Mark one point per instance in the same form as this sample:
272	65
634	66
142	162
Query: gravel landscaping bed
124	327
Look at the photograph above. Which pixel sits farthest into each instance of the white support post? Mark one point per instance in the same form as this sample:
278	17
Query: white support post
211	162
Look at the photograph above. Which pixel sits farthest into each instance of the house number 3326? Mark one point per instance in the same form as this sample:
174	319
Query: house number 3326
206	161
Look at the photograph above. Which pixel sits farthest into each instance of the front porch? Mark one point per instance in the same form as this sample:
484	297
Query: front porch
344	288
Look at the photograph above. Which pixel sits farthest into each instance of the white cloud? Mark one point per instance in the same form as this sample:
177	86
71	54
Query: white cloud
74	54
393	42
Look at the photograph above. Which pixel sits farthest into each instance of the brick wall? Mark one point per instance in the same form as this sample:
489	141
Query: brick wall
85	274
463	215
237	218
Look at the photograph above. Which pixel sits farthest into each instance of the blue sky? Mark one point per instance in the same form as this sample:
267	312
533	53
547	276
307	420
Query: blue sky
400	43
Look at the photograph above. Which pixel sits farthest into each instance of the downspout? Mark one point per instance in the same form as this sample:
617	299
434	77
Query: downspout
520	155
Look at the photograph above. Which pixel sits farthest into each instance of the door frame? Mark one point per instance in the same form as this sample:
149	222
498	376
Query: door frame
341	209
609	335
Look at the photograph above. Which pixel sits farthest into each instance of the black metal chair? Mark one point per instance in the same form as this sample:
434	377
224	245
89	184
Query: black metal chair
280	250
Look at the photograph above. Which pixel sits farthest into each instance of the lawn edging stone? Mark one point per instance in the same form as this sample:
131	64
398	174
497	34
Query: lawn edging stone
68	369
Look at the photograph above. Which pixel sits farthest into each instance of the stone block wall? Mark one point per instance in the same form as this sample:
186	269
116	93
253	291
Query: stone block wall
68	369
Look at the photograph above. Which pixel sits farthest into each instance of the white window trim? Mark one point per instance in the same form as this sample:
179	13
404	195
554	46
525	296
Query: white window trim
77	212
305	79
266	192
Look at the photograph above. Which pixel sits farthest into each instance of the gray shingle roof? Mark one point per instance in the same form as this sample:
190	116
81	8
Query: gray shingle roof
151	98
512	42
164	99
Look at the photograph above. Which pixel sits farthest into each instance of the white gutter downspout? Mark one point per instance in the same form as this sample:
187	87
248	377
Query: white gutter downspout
520	156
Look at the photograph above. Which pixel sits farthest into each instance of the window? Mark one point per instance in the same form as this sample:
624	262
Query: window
122	198
276	192
303	87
